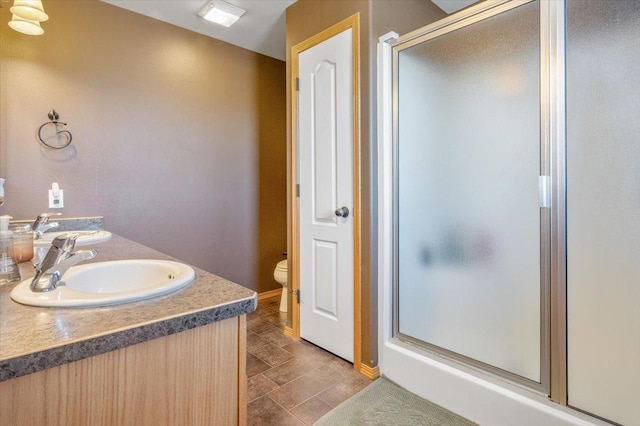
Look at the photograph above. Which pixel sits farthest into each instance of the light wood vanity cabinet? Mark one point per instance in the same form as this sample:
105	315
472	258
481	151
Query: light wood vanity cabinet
195	377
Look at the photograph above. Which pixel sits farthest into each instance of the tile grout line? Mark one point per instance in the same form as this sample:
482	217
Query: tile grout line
307	353
310	398
264	394
281	406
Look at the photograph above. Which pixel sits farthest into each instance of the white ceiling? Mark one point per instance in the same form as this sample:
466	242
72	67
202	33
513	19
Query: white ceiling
451	6
261	29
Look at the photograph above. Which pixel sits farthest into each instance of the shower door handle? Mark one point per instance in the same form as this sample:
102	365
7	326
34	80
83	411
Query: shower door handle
342	212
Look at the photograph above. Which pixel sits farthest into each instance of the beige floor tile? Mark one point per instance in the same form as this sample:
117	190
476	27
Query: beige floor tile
258	325
265	412
278	319
271	354
344	371
291	382
258	386
340	392
254	341
276	337
289	371
310	411
309	352
255	365
301	389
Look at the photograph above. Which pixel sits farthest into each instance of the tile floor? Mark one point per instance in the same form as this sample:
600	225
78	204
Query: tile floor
291	382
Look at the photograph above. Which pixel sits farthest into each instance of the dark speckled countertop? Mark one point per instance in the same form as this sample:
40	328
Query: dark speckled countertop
33	338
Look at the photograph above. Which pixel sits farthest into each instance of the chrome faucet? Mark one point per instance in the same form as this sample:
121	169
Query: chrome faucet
42	225
57	261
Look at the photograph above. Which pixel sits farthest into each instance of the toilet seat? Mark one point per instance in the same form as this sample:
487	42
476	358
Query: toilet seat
280	275
282	265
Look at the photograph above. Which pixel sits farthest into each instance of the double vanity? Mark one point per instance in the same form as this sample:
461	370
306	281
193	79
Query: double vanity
175	358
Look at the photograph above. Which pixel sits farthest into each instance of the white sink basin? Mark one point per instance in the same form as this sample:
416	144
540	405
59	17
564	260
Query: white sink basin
109	283
85	237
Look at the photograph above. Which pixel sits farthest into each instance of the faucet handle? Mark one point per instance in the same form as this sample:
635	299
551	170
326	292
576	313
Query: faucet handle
47	215
65	242
42	219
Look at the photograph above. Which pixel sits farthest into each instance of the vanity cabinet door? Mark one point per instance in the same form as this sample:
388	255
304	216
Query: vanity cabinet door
195	377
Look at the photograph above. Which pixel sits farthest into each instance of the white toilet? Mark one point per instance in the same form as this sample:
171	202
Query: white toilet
280	275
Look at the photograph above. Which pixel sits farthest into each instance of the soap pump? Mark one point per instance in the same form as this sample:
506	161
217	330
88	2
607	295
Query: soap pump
9	270
1	191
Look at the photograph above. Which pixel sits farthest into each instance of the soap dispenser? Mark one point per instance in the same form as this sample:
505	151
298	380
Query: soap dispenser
9	271
1	191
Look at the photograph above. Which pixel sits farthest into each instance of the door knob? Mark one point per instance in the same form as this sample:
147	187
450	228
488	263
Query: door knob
342	212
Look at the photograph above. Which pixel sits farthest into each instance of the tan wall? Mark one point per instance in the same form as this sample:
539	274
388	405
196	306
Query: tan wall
402	16
178	139
377	17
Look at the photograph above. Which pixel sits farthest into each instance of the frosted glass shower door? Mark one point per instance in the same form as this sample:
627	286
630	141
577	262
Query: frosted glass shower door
468	222
603	208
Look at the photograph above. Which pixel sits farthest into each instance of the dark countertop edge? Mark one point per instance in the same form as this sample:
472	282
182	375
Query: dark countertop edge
75	351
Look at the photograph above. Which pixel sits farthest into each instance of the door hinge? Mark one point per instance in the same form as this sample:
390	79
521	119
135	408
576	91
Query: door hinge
298	190
297	84
296	293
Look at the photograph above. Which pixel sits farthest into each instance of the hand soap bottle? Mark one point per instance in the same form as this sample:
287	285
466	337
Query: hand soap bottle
9	271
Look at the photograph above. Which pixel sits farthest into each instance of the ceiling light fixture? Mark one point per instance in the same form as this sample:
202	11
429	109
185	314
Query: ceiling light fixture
221	13
29	9
26	26
27	15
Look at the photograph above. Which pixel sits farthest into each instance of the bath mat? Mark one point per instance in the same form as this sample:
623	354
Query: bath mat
384	403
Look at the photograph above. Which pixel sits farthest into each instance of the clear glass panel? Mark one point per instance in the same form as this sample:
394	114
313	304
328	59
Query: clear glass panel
603	207
468	161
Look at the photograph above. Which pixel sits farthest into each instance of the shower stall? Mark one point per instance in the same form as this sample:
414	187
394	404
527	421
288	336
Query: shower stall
510	211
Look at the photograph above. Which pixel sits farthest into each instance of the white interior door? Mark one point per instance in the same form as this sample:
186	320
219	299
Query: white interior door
326	194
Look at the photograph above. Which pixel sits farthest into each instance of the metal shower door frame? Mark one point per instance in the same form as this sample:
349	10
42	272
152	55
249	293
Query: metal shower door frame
553	371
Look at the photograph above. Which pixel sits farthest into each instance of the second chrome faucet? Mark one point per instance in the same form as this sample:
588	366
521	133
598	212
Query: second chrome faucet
42	224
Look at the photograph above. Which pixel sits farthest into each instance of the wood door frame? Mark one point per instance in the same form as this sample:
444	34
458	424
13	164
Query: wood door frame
353	23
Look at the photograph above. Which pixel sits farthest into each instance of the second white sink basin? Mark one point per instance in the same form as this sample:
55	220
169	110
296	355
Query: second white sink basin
84	237
109	283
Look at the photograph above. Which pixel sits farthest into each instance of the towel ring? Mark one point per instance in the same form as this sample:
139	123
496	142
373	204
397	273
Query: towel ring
53	116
